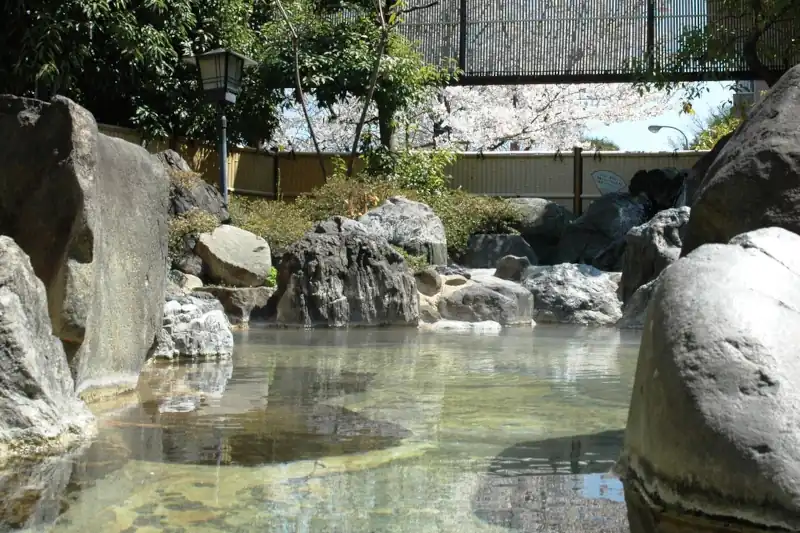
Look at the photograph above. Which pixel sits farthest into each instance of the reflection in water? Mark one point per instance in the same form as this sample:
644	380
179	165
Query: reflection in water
290	423
521	489
355	431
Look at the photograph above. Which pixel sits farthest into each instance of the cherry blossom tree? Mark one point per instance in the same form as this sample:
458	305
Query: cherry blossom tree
507	38
532	117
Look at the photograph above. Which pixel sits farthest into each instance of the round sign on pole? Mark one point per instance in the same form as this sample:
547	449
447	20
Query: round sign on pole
607	182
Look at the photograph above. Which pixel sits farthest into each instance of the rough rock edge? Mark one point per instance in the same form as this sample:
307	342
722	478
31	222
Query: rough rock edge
661	495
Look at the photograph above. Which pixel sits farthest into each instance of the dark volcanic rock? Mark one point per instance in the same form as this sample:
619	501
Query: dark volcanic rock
607	220
345	278
191	192
651	248
754	182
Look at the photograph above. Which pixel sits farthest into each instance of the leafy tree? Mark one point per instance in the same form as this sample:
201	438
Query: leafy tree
338	43
719	123
760	35
600	143
121	59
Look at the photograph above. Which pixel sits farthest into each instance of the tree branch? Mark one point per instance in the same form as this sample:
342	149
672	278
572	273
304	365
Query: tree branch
371	90
299	87
418	8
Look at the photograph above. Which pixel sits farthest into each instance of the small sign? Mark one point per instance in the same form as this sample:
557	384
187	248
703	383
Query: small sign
607	182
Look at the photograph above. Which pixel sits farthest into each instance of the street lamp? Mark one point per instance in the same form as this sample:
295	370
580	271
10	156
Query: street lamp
656	129
221	73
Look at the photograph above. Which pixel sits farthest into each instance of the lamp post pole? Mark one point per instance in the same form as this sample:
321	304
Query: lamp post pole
223	154
221	72
656	128
685	137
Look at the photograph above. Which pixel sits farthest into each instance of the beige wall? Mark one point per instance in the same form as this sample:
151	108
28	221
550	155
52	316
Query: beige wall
544	175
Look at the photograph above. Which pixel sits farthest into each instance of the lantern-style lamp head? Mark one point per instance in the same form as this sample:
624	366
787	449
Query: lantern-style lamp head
221	73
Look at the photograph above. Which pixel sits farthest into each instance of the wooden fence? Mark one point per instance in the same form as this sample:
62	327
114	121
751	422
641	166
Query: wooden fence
562	177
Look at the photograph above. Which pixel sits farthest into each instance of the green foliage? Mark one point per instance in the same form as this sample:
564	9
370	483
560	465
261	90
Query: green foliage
283	223
423	171
337	58
194	221
414	262
464	214
760	34
719	124
601	143
345	197
272	278
280	223
122	60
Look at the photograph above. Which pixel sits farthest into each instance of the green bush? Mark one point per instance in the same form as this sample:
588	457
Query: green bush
272	279
345	197
719	124
194	221
283	223
464	214
280	223
417	170
414	262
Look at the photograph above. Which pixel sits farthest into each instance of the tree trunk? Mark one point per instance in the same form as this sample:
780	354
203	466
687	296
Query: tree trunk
387	129
750	50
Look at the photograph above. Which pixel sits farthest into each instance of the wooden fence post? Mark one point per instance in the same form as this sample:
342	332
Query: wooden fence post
577	181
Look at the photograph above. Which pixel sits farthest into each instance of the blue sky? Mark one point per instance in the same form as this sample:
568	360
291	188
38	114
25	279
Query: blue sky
634	136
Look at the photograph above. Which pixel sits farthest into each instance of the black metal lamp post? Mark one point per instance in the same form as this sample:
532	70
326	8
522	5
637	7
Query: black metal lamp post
221	73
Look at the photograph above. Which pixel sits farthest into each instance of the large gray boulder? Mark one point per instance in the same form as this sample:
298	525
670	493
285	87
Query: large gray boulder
712	426
484	250
607	221
634	311
194	327
573	294
488	298
91	213
39	410
754	182
411	225
541	223
235	257
650	248
698	172
338	275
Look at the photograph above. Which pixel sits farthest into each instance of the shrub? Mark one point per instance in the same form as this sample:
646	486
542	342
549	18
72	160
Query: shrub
272	279
283	223
464	214
417	170
187	180
280	223
194	221
414	262
721	123
345	197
